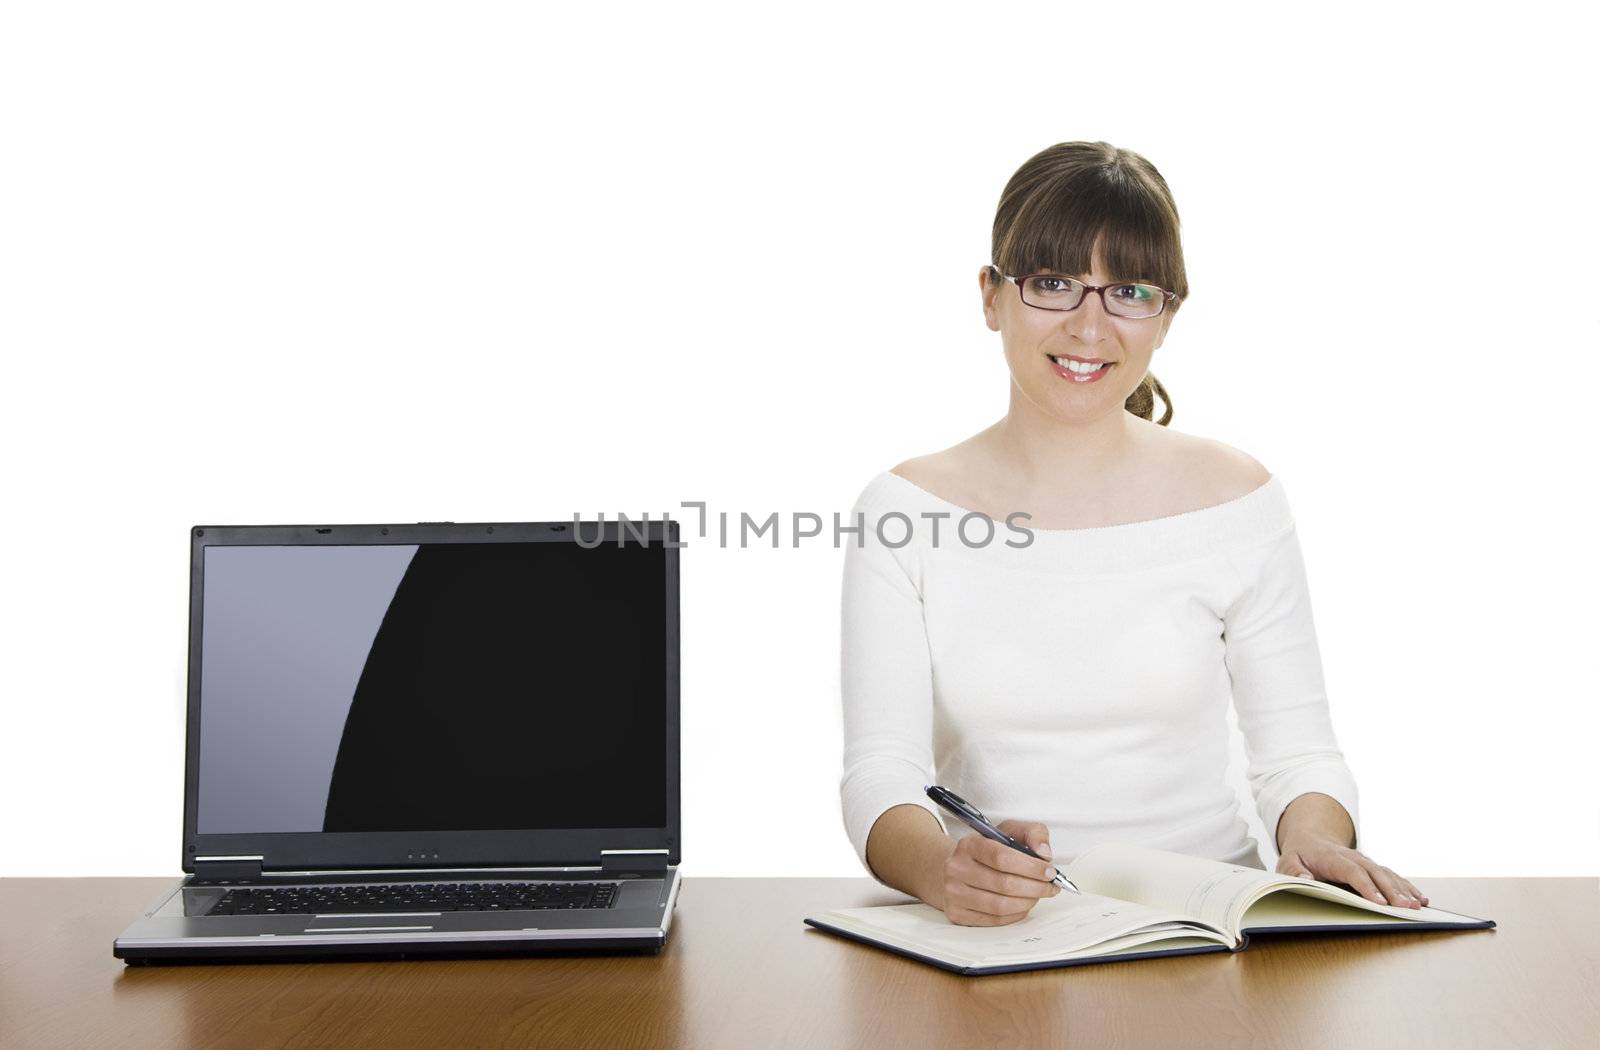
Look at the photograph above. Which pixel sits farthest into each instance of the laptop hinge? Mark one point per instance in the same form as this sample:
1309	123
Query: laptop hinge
227	869
633	861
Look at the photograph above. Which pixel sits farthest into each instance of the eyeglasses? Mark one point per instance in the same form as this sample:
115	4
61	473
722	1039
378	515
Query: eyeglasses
1048	291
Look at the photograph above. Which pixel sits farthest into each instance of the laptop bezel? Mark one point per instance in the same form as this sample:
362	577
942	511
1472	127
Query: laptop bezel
371	851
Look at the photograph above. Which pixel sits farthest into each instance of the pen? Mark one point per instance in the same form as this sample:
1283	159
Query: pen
979	823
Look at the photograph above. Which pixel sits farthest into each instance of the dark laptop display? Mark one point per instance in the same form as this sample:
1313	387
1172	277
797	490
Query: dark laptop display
432	687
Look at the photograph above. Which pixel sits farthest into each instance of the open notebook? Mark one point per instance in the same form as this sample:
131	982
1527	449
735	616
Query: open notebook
1136	902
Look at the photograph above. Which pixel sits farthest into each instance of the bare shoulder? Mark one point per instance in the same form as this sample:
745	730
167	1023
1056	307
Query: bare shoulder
951	474
1216	472
932	471
921	470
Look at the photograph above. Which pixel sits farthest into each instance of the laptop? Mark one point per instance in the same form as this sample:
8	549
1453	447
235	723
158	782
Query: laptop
429	739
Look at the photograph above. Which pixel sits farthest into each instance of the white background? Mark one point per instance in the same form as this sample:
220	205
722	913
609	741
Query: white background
332	262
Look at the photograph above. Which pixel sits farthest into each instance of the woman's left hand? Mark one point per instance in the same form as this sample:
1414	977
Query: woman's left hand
1331	862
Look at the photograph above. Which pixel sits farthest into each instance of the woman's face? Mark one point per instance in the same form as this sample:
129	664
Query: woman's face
1032	337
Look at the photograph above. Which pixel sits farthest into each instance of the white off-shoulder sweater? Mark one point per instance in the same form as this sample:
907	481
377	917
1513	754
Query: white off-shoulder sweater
1082	680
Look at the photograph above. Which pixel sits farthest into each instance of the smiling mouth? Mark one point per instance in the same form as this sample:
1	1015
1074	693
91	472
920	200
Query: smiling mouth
1066	364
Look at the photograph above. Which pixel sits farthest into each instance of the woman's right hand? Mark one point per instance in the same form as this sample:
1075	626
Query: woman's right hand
987	883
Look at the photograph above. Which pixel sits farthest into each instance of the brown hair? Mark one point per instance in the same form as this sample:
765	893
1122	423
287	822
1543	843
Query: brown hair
1069	195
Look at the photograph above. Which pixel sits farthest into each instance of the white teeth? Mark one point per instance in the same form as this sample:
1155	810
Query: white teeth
1074	366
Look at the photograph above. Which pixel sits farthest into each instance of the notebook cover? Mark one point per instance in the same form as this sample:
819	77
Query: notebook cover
1268	931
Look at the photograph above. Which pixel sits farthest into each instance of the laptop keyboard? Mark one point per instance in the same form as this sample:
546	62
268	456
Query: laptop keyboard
414	897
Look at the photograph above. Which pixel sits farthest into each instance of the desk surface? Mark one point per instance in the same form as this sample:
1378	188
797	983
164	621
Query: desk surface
740	969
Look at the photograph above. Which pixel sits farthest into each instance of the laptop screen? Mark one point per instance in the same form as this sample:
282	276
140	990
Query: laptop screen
432	687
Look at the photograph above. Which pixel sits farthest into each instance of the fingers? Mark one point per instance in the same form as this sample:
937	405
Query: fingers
1377	883
988	883
1421	897
1396	887
981	866
1005	859
1389	884
1352	874
978	899
1388	893
1392	888
1412	896
1018	885
1291	864
969	905
966	917
1037	838
1356	870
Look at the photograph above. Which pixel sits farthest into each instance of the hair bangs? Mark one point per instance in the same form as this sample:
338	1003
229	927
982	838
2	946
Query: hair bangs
1058	232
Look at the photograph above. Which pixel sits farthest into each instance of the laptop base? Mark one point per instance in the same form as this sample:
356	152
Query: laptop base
195	955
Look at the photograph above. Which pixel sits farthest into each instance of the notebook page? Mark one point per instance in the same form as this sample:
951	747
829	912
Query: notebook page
1119	946
1056	928
1321	904
1210	890
1150	940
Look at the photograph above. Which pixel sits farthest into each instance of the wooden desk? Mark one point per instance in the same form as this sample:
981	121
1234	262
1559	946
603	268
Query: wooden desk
740	969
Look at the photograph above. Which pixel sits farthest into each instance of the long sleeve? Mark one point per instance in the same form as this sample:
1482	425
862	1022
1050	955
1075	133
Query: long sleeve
1278	692
886	681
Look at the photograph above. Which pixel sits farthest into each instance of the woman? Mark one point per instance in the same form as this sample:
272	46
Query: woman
1074	670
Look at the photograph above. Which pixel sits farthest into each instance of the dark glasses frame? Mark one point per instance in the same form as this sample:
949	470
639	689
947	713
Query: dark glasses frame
1167	298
